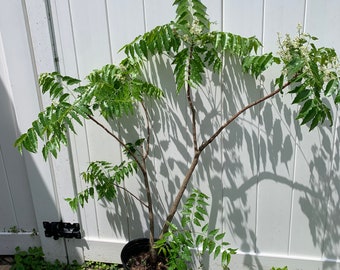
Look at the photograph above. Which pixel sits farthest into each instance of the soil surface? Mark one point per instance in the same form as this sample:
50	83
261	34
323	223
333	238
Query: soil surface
143	262
6	262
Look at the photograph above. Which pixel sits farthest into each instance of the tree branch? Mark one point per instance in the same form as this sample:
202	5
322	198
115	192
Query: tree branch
142	166
191	105
146	177
147	147
131	194
195	160
236	115
122	143
180	193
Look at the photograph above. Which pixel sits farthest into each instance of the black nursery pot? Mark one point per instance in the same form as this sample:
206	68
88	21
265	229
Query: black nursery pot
132	249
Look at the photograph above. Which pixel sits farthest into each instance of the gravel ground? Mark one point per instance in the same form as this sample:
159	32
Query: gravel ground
5	262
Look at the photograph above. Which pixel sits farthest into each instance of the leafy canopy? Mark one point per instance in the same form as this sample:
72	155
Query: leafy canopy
116	90
315	74
194	234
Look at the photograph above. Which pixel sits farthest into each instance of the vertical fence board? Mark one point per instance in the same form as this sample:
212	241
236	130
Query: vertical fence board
7	209
323	222
244	17
241	139
16	198
278	140
152	7
16	206
89	25
62	22
126	21
22	105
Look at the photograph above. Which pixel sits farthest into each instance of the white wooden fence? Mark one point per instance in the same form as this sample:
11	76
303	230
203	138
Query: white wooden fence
274	186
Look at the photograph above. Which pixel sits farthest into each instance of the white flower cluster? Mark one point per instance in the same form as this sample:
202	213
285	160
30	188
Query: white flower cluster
119	76
301	48
291	48
330	70
196	28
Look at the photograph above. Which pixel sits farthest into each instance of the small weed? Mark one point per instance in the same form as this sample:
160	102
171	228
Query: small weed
13	229
34	232
34	259
99	266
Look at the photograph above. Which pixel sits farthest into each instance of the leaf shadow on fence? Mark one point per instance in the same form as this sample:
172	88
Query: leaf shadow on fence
322	209
261	151
128	217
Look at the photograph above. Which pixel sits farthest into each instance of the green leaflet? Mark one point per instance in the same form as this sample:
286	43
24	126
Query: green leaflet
103	178
52	124
256	65
302	95
307	106
190	12
117	90
159	40
180	62
234	44
331	87
185	240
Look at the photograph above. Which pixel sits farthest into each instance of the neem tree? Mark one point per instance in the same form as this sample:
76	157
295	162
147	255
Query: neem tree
308	73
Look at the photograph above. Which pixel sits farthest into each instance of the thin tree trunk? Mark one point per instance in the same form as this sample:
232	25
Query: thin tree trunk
200	149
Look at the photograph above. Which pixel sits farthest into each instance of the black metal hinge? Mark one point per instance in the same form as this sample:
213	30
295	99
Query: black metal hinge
62	229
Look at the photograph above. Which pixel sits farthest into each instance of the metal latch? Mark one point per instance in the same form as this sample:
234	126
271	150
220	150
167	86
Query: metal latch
62	229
